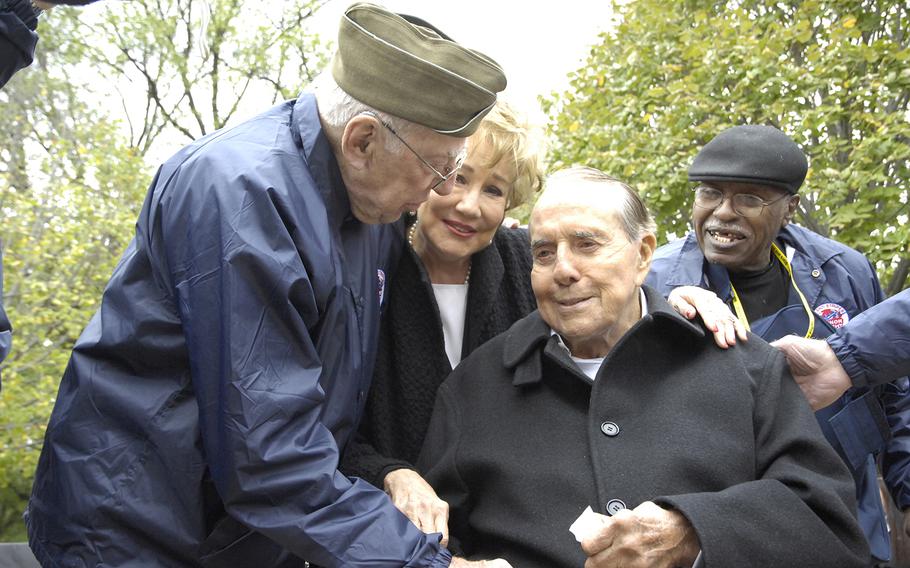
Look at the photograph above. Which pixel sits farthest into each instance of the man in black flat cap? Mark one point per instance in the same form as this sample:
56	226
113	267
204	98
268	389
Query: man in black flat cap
782	279
201	415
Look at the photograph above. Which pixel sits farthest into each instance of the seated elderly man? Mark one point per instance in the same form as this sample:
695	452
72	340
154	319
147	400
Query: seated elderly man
606	398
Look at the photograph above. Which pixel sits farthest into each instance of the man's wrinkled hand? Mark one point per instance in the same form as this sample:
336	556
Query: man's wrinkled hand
648	536
418	501
690	301
816	369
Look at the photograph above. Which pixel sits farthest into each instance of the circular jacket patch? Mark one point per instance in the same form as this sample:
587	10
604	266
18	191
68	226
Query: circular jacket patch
834	314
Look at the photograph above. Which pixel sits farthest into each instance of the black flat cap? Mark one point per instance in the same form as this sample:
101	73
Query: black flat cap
751	154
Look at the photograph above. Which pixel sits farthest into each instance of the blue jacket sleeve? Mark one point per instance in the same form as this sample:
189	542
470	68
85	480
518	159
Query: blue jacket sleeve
6	335
251	324
18	21
895	463
874	347
17	38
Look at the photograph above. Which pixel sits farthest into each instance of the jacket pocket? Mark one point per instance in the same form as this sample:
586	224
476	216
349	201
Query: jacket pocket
232	544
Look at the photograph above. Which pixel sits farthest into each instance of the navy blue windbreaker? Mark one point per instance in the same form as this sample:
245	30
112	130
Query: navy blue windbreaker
839	283
17	37
18	20
200	417
6	335
874	348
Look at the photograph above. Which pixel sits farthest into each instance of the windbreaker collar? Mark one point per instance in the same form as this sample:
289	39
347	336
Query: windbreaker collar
307	131
818	250
687	269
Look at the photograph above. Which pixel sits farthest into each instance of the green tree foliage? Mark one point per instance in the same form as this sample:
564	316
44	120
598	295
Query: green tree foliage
834	75
74	168
69	192
199	62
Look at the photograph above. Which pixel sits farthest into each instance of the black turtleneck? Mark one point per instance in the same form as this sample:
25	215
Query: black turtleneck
763	292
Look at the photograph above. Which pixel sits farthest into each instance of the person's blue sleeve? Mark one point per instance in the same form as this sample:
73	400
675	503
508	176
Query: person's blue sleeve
17	37
6	334
896	457
874	347
18	21
251	321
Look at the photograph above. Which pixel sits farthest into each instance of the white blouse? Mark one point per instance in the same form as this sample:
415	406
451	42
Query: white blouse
452	300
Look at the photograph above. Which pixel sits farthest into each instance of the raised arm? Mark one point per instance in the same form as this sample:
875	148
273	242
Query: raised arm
6	335
873	348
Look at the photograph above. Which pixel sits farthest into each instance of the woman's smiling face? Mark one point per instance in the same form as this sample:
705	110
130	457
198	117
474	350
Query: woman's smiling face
455	226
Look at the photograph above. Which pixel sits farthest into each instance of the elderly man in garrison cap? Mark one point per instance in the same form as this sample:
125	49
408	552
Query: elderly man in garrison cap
782	279
607	398
200	417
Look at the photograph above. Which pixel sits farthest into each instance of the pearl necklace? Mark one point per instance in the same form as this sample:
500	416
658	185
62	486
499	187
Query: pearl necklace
413	230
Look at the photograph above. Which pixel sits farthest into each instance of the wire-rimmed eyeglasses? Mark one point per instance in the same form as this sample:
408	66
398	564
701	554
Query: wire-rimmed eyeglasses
744	204
441	177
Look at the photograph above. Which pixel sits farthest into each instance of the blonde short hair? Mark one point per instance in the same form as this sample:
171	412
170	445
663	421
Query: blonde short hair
510	136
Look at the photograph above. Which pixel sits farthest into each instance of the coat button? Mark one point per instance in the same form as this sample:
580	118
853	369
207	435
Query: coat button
816	273
609	428
614	506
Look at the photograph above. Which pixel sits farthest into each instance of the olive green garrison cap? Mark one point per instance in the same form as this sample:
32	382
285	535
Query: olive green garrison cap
408	68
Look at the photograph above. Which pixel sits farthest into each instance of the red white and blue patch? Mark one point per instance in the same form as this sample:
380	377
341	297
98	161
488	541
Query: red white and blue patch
834	314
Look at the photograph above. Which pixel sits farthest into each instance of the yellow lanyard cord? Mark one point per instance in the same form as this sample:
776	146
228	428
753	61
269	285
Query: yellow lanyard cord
738	308
741	313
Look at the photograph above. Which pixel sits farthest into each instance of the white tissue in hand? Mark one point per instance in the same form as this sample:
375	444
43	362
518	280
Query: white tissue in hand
587	523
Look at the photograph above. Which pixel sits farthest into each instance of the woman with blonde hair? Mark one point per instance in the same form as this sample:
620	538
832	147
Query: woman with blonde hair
461	281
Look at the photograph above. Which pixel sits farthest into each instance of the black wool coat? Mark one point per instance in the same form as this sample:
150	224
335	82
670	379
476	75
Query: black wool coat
411	361
521	442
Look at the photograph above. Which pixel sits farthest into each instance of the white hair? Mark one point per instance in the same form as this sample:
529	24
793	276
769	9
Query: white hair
336	108
634	216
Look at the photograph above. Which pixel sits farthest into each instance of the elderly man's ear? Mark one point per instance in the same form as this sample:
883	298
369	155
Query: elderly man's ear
646	253
359	141
792	206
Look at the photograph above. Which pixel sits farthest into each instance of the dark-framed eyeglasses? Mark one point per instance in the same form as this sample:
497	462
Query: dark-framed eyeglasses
441	177
744	204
